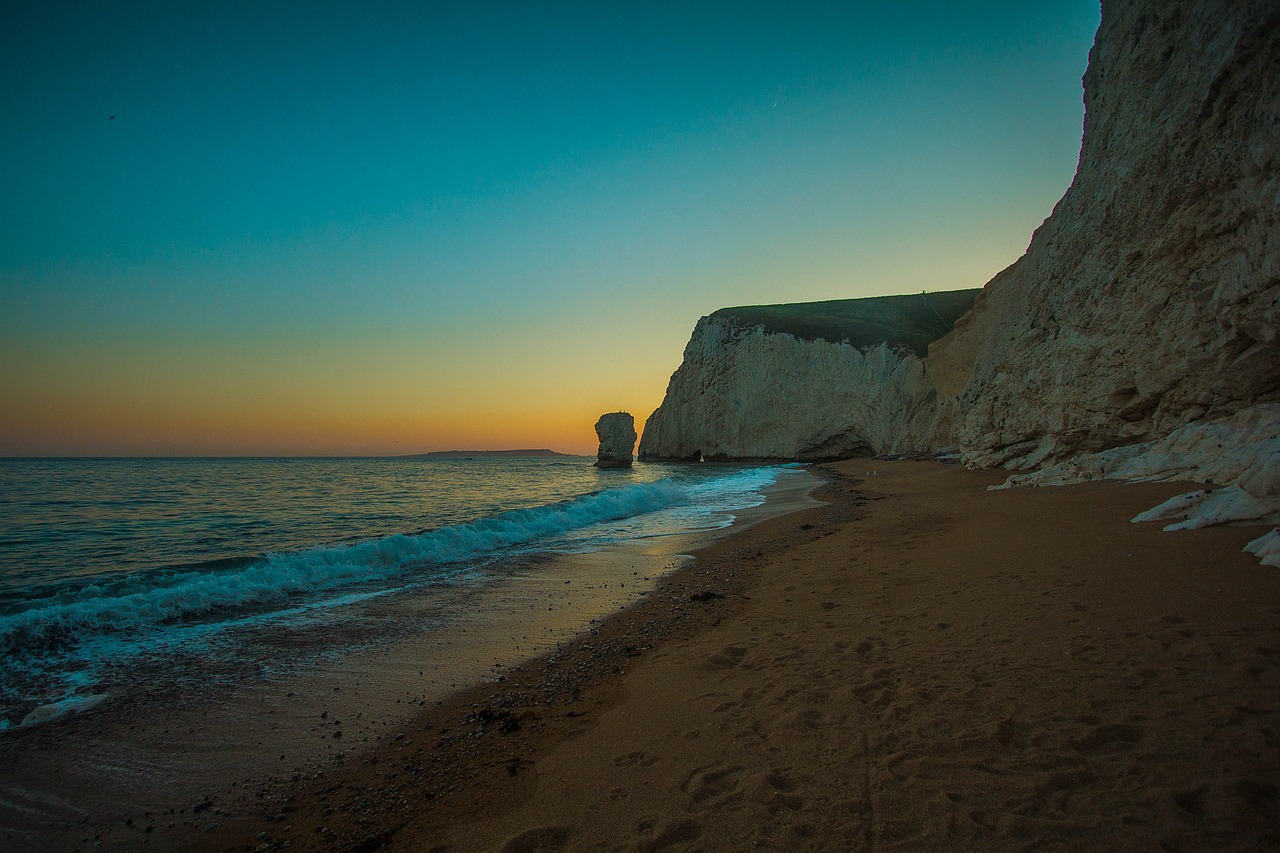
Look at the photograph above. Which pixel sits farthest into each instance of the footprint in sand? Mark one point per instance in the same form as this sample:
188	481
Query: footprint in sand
869	647
714	785
777	789
728	657
778	779
1062	782
1262	797
760	730
538	840
634	759
673	832
879	692
1113	737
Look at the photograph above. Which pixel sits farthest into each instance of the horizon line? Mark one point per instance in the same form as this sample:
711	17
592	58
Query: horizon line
9	458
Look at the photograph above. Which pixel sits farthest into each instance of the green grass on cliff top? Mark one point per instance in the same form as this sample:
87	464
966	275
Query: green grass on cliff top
904	322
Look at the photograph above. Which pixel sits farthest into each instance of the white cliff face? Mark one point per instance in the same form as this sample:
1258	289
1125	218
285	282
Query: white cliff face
1151	297
1148	300
752	394
1137	338
1242	449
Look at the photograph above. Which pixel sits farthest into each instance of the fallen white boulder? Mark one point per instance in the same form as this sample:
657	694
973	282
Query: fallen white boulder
1238	456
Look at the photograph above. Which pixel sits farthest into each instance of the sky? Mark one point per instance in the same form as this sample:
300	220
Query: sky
277	228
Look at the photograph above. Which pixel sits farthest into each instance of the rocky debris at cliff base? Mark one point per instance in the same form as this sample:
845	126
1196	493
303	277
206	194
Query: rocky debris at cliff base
1266	548
1204	508
1240	455
617	434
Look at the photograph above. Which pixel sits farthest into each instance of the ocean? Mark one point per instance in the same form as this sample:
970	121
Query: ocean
162	577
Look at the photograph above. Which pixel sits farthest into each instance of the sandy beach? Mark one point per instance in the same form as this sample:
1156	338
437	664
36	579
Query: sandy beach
283	295
920	664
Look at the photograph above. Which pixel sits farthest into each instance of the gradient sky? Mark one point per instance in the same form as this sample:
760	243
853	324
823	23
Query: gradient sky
310	228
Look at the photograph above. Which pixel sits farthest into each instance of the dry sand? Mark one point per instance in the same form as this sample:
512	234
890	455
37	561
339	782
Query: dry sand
920	665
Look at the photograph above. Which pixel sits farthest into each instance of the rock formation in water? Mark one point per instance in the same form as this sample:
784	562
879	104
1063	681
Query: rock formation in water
617	434
813	381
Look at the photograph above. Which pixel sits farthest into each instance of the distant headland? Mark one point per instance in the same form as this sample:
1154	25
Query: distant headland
466	454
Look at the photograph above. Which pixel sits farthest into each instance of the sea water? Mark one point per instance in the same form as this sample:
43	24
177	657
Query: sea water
125	574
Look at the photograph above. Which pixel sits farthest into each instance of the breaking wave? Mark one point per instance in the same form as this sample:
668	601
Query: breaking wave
141	600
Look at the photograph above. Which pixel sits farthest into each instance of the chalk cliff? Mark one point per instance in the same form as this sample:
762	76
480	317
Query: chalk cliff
1137	338
812	381
1151	297
1148	300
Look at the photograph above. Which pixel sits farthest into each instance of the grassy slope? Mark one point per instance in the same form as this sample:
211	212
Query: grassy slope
908	322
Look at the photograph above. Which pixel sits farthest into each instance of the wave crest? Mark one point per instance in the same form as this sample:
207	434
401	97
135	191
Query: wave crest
138	601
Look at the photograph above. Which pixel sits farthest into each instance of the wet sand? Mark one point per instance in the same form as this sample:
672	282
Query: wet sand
921	664
178	750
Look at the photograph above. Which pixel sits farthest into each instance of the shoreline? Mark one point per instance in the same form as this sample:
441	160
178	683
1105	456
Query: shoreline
490	732
919	663
163	767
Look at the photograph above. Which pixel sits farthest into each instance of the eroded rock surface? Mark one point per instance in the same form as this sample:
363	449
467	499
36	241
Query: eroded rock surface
1151	297
1238	456
1148	300
811	381
617	434
1139	336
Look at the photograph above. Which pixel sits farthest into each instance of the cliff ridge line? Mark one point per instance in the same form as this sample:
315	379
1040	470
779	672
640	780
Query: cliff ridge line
806	381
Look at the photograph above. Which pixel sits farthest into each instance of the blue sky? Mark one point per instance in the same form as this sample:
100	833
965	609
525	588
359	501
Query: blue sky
331	228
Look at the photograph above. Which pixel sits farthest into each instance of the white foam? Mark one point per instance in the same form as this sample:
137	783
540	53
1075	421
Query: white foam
145	600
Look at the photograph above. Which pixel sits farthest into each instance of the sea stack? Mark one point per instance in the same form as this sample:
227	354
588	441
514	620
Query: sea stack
617	434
